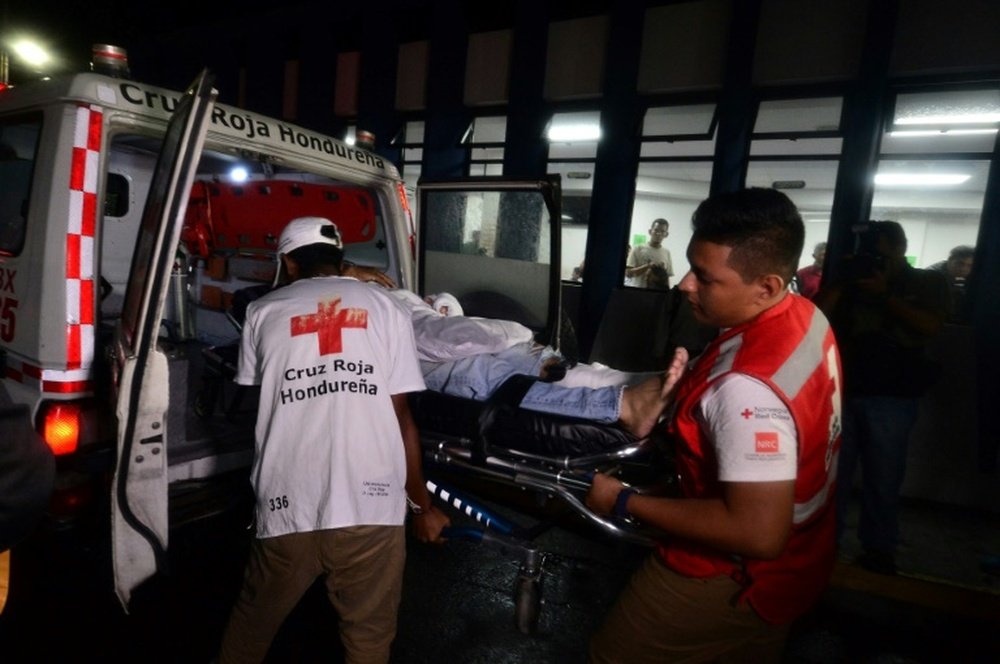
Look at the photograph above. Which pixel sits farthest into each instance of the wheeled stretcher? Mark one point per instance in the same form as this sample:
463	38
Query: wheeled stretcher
551	455
495	440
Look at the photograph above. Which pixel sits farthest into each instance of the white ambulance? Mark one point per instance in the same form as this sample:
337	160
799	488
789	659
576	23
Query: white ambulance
131	215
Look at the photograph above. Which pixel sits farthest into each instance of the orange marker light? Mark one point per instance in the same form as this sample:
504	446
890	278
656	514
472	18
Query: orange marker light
62	428
405	202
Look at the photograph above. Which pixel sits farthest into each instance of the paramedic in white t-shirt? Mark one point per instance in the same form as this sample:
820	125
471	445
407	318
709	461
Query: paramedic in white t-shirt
337	455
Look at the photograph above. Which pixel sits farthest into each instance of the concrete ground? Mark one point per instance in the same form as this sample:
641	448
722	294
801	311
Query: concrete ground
458	601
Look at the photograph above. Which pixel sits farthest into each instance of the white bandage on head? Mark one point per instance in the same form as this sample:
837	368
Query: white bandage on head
446	304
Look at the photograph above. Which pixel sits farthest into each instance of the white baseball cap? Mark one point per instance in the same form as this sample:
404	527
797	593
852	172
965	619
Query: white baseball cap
308	230
302	232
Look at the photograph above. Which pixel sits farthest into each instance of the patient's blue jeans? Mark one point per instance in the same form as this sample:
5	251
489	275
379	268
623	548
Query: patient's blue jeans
876	434
478	376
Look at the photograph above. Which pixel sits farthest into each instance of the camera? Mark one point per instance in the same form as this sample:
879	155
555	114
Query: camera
866	259
862	266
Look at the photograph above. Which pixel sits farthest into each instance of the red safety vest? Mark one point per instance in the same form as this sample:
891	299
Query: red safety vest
790	347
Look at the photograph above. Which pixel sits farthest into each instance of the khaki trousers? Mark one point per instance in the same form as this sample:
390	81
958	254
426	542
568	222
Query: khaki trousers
363	570
4	578
663	616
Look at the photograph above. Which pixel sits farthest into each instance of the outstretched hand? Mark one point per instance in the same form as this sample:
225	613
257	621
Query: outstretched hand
365	273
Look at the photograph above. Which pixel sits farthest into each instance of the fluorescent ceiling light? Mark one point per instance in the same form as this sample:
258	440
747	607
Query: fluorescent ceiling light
952	118
941	132
924	179
571	133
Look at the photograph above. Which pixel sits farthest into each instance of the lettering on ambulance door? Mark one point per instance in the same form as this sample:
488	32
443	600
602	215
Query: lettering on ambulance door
139	527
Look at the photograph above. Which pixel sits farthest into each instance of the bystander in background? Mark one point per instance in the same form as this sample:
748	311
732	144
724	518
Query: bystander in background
884	312
956	269
643	258
809	277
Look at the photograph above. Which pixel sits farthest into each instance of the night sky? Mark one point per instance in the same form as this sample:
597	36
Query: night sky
68	29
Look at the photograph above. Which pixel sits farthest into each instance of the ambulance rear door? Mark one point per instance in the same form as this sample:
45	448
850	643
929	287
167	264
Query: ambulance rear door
494	243
139	526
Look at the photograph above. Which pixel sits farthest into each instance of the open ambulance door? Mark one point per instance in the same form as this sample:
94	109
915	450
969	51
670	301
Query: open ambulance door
494	244
139	520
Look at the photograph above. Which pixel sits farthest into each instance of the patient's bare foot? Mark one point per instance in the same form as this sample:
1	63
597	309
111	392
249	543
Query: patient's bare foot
674	373
643	404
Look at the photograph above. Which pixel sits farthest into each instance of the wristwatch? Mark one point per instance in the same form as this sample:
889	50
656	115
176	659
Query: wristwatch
415	509
621	502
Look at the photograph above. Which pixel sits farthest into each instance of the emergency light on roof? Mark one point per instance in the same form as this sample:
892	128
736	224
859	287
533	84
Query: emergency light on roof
109	60
364	139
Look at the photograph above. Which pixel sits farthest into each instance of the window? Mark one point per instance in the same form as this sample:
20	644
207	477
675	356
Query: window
18	143
116	196
573	141
411	139
486	138
796	148
792	127
932	172
478	243
675	171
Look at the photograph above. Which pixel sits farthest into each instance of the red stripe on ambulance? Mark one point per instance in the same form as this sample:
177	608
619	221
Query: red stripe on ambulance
80	292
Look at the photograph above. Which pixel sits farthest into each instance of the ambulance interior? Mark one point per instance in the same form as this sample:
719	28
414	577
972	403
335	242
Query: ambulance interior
237	207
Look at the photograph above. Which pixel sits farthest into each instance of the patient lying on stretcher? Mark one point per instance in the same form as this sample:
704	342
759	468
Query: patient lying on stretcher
471	357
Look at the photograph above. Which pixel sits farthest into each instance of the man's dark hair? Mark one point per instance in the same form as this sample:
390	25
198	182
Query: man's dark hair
762	226
892	231
314	259
961	252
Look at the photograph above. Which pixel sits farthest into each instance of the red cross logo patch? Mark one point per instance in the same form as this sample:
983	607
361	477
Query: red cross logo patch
746	413
328	323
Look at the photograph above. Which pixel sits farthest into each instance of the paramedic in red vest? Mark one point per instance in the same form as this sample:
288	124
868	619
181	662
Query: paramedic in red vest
749	545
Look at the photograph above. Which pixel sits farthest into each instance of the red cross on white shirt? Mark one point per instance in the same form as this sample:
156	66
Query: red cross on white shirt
328	322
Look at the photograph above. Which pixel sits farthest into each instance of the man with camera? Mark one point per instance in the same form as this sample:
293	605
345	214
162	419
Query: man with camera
884	313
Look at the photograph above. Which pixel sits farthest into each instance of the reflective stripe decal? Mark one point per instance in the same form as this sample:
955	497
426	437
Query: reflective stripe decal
801	364
805	511
80	291
727	355
76	382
